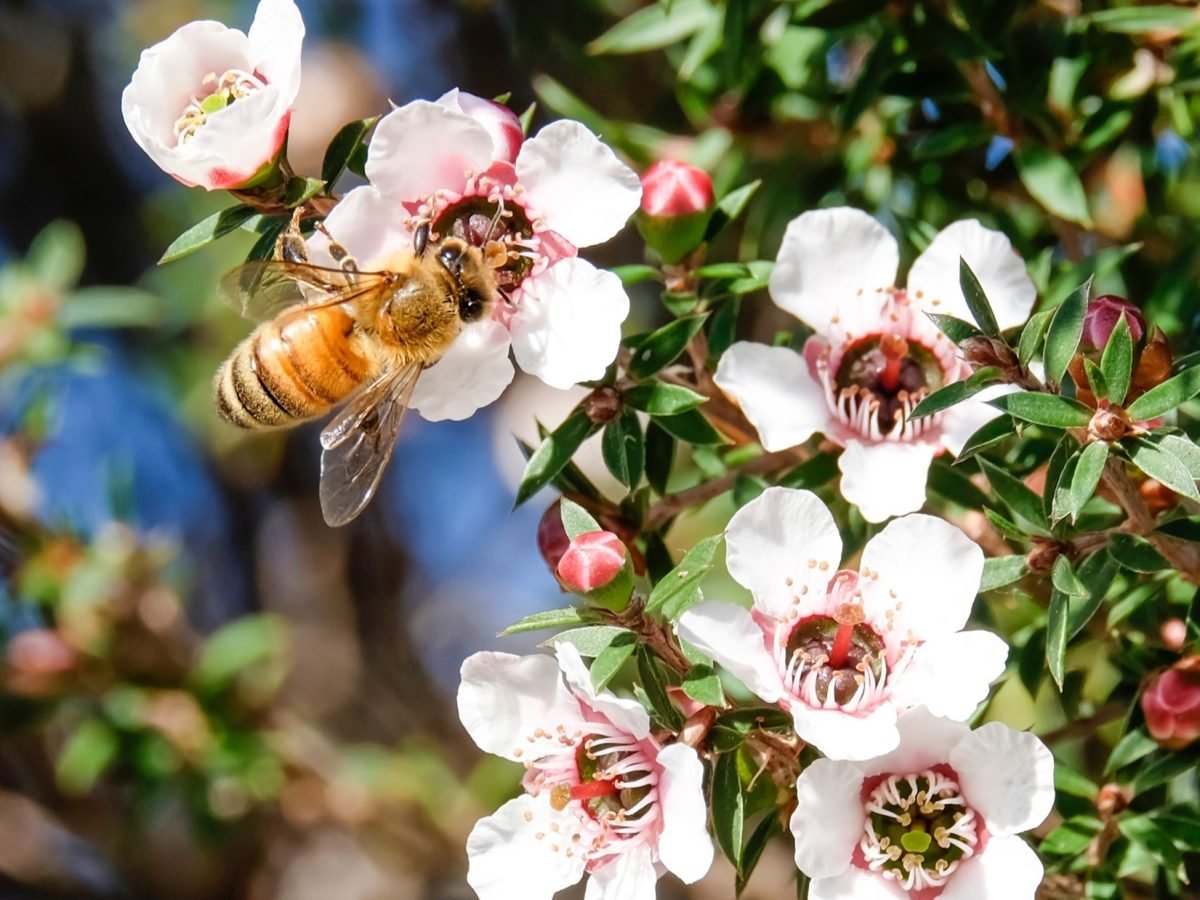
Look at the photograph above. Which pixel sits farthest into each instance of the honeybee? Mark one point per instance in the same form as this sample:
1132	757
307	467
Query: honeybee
329	335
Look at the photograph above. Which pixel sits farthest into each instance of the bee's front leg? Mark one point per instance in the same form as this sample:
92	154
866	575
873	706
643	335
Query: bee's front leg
290	245
341	255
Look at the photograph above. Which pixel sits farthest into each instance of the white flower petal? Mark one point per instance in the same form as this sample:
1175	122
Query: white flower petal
471	374
506	858
1007	775
275	37
827	257
727	633
504	699
840	735
856	884
501	122
568	326
370	226
784	547
775	390
1001	273
829	817
925	740
575	182
422	147
925	574
684	846
887	478
1007	869
630	875
627	714
951	674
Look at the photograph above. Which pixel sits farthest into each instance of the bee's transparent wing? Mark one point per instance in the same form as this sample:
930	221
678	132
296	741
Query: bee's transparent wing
359	441
262	289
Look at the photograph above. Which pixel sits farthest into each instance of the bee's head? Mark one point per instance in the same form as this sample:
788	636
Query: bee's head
475	282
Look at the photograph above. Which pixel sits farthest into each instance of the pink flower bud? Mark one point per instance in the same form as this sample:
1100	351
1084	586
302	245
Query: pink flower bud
1102	316
501	123
671	188
1171	703
592	560
1173	633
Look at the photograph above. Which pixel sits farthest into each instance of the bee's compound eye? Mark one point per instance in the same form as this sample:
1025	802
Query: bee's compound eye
451	258
470	306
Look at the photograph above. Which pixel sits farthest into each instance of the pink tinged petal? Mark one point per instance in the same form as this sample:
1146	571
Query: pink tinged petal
471	374
237	141
275	39
630	875
827	257
504	700
422	147
856	884
684	846
840	735
568	326
370	226
923	577
885	479
575	182
777	392
784	547
628	715
1007	869
925	740
518	851
829	817
727	633
990	254
951	674
501	123
1007	775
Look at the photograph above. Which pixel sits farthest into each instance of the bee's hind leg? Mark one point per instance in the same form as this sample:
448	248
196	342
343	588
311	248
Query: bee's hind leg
340	255
290	246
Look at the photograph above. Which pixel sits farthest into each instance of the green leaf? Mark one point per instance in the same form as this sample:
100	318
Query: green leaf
728	807
1136	553
624	448
109	307
1044	409
766	829
343	147
606	666
722	328
1142	829
1096	380
955	329
1181	447
1016	496
1166	396
977	301
1068	781
702	685
90	750
655	26
590	641
1144	19
691	427
680	588
651	677
812	473
1084	479
1064	579
1032	335
660	456
1096	572
956	392
300	190
269	231
553	453
662	347
1065	332
730	208
1161	465
1056	636
205	232
1134	746
1186	528
550	618
999	571
635	273
1059	470
1165	769
1117	361
660	399
1053	182
987	435
955	485
950	140
56	255
1072	837
576	520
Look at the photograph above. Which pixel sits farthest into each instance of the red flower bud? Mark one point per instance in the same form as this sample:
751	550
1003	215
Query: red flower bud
671	188
1102	316
592	561
552	538
1171	703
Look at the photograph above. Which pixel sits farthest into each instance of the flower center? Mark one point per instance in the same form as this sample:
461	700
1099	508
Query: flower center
918	829
223	90
835	661
879	381
502	228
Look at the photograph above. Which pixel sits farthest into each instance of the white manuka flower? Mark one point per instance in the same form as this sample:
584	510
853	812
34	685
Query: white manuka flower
846	652
602	796
875	354
462	164
937	817
211	105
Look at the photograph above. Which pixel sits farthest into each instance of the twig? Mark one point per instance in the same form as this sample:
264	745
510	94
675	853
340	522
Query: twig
1110	712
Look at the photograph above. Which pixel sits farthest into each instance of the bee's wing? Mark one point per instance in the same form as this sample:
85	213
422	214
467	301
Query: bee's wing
359	441
261	289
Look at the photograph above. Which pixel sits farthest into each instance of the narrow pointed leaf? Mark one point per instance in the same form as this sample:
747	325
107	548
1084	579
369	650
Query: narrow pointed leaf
1065	332
1056	636
985	436
955	329
662	347
575	519
553	453
681	587
343	147
728	807
661	399
1016	496
957	392
999	571
1117	361
1086	477
1166	396
1162	466
977	301
1032	335
1044	409
205	232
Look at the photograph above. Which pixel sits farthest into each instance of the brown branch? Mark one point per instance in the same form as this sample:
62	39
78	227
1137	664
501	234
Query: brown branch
1183	556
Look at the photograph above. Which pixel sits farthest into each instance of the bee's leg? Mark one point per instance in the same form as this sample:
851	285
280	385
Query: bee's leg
290	246
341	255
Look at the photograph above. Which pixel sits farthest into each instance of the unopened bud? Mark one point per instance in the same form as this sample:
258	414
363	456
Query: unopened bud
1109	423
1154	364
592	561
1103	314
602	405
1110	800
552	538
1171	703
677	202
981	351
1173	633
